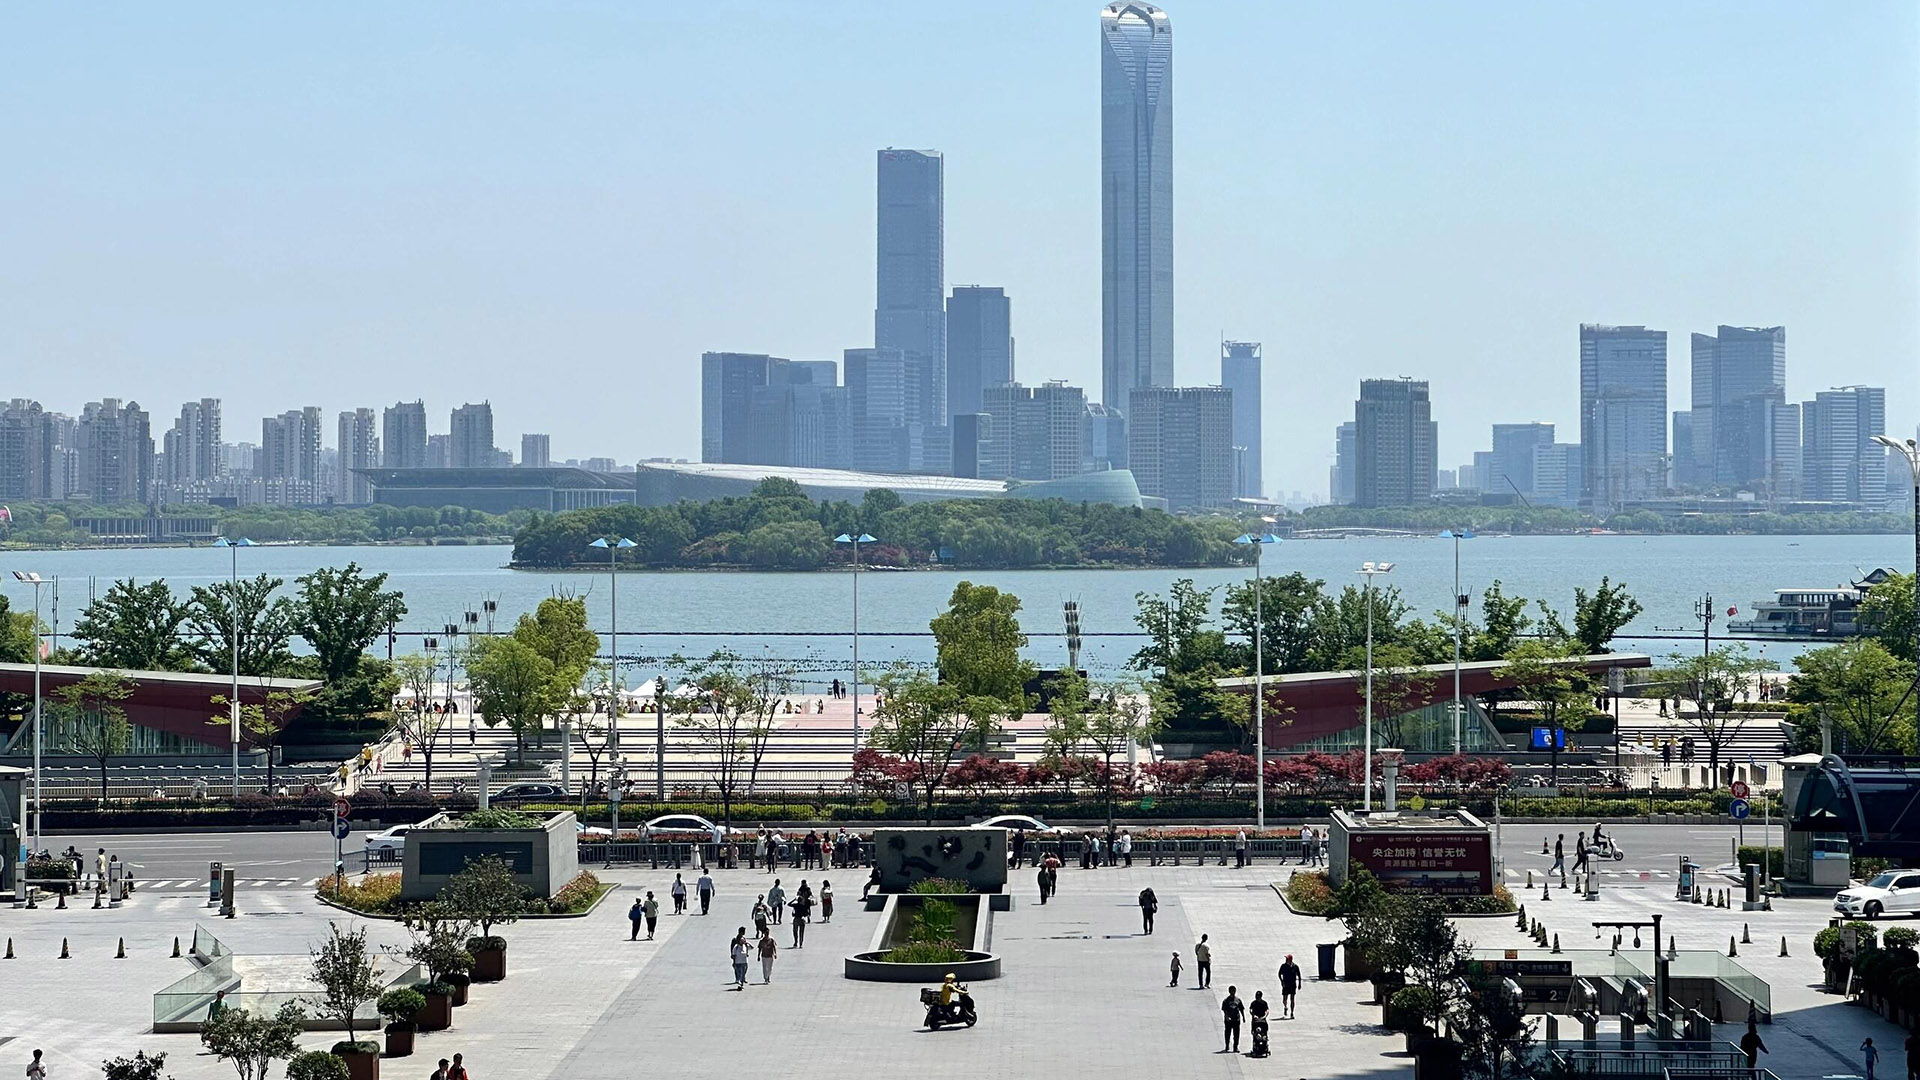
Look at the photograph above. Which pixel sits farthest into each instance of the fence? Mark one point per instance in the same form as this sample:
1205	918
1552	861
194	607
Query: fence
1160	851
1651	1062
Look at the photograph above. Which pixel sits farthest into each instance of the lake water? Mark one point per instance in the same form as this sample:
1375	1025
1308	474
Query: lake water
806	616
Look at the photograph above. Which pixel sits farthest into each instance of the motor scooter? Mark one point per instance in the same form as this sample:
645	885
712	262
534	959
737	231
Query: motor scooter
960	1012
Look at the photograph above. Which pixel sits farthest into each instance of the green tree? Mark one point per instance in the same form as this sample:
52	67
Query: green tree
1400	685
415	722
1714	681
134	627
16	635
1108	719
1861	688
1503	619
1547	673
778	487
1491	1025
347	974
513	685
1887	614
141	1066
924	723
977	642
730	715
266	626
485	893
262	722
95	724
1597	616
1287	606
251	1043
340	613
1187	656
557	630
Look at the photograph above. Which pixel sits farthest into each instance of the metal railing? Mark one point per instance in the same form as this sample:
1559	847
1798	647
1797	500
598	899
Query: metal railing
1651	1062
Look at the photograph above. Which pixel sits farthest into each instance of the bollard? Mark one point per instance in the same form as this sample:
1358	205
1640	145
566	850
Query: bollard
176	947
62	904
1746	935
122	954
1783	944
65	953
96	900
1733	947
1529	879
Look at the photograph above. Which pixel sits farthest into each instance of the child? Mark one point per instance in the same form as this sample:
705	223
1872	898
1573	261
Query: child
1174	979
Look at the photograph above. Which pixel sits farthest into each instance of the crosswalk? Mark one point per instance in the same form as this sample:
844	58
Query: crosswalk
200	884
1605	872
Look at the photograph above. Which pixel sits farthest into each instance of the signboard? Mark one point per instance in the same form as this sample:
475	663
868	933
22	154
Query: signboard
342	808
1549	738
1739	809
1740	789
1513	968
1445	862
341	827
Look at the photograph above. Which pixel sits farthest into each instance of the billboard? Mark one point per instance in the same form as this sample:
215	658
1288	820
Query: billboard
1443	862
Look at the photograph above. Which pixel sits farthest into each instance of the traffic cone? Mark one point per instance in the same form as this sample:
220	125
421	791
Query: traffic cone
1733	947
1673	948
1544	849
122	954
1556	943
176	947
1520	920
96	901
1546	892
1746	934
65	953
1783	944
9	955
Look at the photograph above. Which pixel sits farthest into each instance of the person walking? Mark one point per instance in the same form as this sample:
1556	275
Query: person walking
738	949
1203	963
1559	855
635	915
36	1069
1149	904
1019	848
458	1069
704	887
826	900
802	914
1045	883
760	847
1257	1010
1231	1010
1173	970
651	909
776	901
679	893
441	1072
1870	1056
1580	854
1289	985
100	871
768	952
1751	1046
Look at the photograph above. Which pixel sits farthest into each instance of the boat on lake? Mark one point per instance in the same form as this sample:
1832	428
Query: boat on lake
1816	612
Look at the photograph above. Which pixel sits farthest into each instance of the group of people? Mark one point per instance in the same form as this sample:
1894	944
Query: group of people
107	871
1233	1010
1581	851
768	908
814	851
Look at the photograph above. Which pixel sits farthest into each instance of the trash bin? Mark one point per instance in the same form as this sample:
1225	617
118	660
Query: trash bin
1326	960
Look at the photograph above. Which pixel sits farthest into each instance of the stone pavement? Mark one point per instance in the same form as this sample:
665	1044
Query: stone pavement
1082	987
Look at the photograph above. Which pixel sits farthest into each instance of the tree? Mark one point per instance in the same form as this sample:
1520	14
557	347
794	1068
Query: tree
485	893
266	625
924	723
1713	681
1287	605
1547	673
95	723
416	723
977	641
1861	687
730	715
439	939
141	1066
134	627
1189	656
252	1043
340	613
557	630
1491	1025
1503	619
1596	617
1887	614
347	974
1400	685
1108	718
16	635
513	685
262	723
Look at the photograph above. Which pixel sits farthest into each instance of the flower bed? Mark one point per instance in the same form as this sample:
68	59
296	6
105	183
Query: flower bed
1311	893
379	896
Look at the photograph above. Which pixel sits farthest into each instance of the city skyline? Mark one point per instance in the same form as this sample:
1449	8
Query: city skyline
1418	213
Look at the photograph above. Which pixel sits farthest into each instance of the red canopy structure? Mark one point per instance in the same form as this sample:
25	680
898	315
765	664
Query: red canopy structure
176	702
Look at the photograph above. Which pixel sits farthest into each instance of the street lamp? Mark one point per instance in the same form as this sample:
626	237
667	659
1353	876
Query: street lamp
35	580
856	541
1459	625
1911	451
1370	571
233	597
613	547
1259	679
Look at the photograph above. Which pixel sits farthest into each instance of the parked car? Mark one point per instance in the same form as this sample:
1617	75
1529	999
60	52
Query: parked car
1011	822
529	791
687	823
388	843
1894	892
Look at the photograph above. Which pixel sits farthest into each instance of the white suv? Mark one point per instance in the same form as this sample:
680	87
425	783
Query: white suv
1895	892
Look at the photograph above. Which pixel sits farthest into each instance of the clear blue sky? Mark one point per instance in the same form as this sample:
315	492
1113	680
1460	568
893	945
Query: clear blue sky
559	206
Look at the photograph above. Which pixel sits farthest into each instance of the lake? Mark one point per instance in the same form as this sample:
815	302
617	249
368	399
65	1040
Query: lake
806	617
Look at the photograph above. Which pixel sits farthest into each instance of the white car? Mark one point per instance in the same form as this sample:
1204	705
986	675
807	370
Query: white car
686	823
1011	822
1894	892
388	843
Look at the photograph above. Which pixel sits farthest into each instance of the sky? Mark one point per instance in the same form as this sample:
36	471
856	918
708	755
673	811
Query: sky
558	207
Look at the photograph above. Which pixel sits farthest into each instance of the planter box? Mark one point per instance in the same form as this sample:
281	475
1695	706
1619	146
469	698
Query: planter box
543	859
399	1042
361	1066
489	965
460	991
436	1015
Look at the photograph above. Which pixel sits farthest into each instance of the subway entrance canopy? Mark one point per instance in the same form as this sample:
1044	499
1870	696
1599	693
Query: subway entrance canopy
169	711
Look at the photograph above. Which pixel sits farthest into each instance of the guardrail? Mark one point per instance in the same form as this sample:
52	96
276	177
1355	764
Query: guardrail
1651	1063
1165	851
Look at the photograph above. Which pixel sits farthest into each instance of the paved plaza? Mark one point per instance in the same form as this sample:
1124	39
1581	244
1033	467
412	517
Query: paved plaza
1083	988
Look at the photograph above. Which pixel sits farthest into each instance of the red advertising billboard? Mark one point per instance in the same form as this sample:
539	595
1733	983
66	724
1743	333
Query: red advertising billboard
1432	861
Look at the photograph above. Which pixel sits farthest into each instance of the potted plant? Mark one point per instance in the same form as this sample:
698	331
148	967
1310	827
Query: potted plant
460	981
361	1057
436	1010
439	938
486	893
400	1006
317	1065
348	977
1410	1010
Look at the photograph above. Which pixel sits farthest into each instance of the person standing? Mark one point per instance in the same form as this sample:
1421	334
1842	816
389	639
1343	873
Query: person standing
36	1069
651	909
1203	963
776	900
1019	846
1231	1010
679	893
1751	1046
826	900
457	1070
1173	971
441	1072
100	871
768	952
802	914
704	887
1126	849
1149	904
635	915
1240	849
738	949
1870	1056
219	1005
1289	985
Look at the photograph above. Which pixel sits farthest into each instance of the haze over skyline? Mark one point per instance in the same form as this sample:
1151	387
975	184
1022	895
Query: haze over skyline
560	210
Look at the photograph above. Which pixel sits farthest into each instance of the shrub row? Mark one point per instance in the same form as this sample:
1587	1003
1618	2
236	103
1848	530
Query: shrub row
1311	893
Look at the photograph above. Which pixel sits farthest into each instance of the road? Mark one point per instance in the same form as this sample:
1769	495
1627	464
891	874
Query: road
1652	849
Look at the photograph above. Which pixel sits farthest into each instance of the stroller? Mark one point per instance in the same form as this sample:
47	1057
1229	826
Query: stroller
1259	1038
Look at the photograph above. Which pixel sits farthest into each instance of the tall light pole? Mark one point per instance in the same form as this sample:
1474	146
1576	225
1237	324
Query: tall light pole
856	541
1370	571
233	597
35	581
1459	626
1259	678
613	546
1911	451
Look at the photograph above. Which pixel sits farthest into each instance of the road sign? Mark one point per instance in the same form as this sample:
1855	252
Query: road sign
1740	790
341	827
342	808
1739	809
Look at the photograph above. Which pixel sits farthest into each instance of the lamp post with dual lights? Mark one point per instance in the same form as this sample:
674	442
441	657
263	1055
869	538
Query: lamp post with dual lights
36	581
856	541
1370	571
1459	626
1259	678
233	606
613	546
1910	450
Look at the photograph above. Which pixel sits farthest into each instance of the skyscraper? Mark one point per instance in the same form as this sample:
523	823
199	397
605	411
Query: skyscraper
1035	432
1394	443
1840	462
403	436
25	450
909	311
1240	373
979	345
115	452
359	449
1513	446
1340	478
1180	444
193	443
536	451
1623	414
727	382
877	408
1739	374
470	437
290	446
1136	200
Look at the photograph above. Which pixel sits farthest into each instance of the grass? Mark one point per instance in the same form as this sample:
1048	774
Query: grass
924	952
938	886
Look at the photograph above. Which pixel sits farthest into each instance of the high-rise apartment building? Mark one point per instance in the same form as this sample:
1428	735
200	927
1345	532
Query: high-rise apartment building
1033	432
403	436
1395	443
1685	471
290	446
1180	444
1840	462
1738	375
877	409
439	452
979	345
1513	447
26	451
1340	476
536	451
115	453
1240	373
727	383
1623	414
192	445
359	448
470	437
909	311
1136	200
